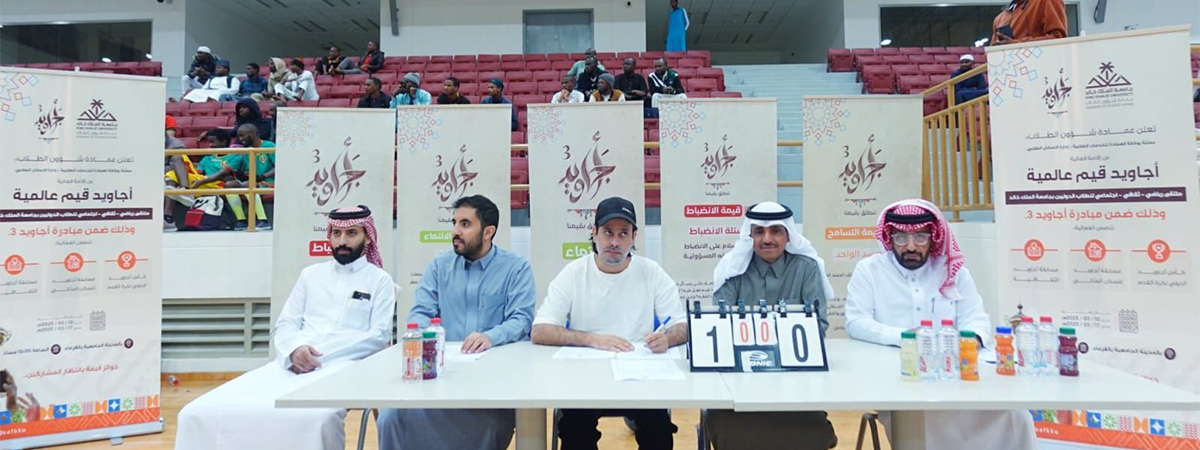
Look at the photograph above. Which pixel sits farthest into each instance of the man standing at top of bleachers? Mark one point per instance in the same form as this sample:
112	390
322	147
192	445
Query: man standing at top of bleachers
1030	20
581	65
677	25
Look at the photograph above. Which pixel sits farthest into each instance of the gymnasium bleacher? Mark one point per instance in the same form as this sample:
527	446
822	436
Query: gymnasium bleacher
144	68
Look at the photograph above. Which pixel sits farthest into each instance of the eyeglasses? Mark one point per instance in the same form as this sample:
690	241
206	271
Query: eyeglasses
902	239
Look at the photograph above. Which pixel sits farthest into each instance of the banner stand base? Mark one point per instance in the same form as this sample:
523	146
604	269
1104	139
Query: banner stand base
73	437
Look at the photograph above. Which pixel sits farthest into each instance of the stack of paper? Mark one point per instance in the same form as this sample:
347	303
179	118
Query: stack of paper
454	353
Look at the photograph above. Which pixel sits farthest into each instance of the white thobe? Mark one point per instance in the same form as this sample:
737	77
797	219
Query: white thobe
214	88
329	309
885	299
295	83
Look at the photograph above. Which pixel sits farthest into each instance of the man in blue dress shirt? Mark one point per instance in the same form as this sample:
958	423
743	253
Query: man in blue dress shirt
485	296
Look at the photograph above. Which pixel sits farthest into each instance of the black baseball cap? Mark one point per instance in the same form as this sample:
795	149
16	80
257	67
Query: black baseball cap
615	208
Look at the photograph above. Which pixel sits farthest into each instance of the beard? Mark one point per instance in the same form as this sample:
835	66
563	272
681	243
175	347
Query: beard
611	260
910	260
469	249
346	255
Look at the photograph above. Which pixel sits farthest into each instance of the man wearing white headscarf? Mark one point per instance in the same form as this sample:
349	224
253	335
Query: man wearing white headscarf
921	275
771	261
340	311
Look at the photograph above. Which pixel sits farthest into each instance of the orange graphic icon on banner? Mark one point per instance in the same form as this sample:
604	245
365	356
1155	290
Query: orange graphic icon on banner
14	264
1094	250
126	260
1158	251
73	262
1034	250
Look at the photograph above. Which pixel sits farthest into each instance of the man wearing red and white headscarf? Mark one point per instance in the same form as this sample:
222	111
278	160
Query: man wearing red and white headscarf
340	311
920	275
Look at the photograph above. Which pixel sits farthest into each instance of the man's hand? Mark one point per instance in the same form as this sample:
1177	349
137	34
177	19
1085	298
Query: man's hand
476	342
609	343
657	342
304	359
1002	38
638	93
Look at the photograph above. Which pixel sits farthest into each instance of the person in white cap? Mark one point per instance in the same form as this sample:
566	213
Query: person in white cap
969	88
920	274
340	311
771	261
204	64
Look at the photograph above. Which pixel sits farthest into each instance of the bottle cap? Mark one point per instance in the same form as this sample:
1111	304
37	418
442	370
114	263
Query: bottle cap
1067	331
1046	319
927	323
967	334
908	334
428	335
436	321
947	322
1026	319
412	325
1003	330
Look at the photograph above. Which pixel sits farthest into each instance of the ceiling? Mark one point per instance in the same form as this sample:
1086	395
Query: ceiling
348	24
717	22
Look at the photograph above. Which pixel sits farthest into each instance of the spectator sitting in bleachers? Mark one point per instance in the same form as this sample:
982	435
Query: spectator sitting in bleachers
203	66
410	92
335	63
450	94
253	84
374	98
371	61
631	83
220	85
299	84
275	105
248	113
172	128
215	171
279	74
578	67
568	94
664	83
604	90
264	166
1030	20
586	81
496	96
969	88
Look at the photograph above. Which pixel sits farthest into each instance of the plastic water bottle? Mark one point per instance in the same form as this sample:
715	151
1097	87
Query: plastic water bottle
1027	349
1048	346
947	338
413	358
927	352
908	356
435	326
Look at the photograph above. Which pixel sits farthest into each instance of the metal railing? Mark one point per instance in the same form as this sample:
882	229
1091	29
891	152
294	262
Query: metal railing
251	191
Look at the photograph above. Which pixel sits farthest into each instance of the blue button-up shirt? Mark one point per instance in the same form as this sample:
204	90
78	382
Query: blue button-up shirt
494	296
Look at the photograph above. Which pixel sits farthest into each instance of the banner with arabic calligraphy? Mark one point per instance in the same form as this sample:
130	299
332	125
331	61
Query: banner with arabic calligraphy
580	154
439	162
81	243
1097	216
327	158
717	157
861	153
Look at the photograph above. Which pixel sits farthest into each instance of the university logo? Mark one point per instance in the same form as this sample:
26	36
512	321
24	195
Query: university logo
1108	89
48	121
96	122
1058	90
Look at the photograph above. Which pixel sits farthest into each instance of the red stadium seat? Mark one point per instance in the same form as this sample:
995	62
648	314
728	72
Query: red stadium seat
518	137
327	80
336	103
387	79
460	67
435	89
546	75
517	57
727	94
305	104
884	51
419	59
921	59
488	58
355	78
464	58
438	67
441	58
467	77
411	66
697	85
548	88
906	69
521	88
435	77
561	65
468	89
958	51
519	199
523	100
344	91
512	66
203	109
690	63
652	55
189	142
895	59
491	66
622	55
484	77
520	75
911	50
946	59
839	60
934	50
537	65
879	80
909	83
177	109
557	57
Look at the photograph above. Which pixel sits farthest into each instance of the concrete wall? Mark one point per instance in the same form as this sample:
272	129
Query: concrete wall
235	38
447	27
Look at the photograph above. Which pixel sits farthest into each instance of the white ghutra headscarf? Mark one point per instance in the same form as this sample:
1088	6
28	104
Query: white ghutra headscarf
766	214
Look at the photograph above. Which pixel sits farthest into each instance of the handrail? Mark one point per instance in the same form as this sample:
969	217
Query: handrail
948	85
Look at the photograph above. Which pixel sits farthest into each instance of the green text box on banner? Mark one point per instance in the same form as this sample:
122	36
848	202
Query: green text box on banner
861	153
717	158
1097	214
445	153
81	245
580	154
327	158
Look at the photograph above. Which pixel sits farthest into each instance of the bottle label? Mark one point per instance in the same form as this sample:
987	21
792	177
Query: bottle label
1006	363
1066	362
969	367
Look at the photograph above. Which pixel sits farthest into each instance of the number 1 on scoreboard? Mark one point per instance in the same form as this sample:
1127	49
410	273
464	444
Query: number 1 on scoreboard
712	341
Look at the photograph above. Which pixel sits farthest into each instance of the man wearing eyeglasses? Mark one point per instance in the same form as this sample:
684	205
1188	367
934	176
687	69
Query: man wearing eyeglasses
921	275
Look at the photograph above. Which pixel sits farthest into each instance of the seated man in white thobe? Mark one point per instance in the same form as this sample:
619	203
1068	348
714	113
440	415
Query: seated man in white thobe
485	296
611	299
221	83
340	311
772	261
920	275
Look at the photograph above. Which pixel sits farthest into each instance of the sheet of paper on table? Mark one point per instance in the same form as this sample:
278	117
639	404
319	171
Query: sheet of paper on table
640	351
645	369
454	353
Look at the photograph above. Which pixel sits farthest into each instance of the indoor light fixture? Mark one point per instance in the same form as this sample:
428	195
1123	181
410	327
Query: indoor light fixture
105	59
149	56
885	42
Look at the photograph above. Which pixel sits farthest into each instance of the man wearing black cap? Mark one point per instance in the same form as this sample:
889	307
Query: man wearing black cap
495	95
613	299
